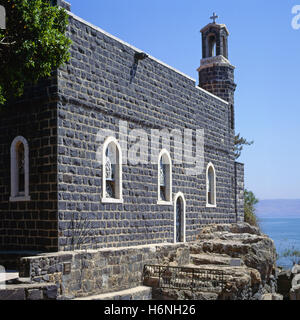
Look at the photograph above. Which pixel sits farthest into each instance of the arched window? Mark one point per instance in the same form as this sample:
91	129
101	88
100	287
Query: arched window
179	218
232	117
19	168
212	46
225	48
211	186
112	172
164	178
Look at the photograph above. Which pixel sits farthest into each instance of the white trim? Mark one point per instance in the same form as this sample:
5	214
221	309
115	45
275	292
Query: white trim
112	200
126	44
19	199
139	50
211	94
166	155
15	195
214	204
183	222
118	182
164	203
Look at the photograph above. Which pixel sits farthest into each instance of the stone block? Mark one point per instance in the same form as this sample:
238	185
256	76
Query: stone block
296	269
296	280
35	294
51	292
12	294
295	293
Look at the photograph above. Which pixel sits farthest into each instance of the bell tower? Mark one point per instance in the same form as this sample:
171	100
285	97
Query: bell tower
216	74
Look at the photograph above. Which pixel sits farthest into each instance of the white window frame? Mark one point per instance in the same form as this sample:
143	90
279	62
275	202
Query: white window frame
183	222
2	17
214	195
118	179
166	156
15	196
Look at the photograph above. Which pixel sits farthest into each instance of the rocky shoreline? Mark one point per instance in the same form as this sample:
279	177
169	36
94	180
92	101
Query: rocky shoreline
288	282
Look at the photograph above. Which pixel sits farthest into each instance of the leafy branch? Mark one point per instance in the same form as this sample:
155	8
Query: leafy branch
239	143
32	45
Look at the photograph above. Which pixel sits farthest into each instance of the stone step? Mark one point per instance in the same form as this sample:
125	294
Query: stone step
137	293
270	296
25	291
206	259
231	248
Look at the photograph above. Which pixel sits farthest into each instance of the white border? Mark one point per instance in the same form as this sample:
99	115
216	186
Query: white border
14	196
118	191
214	205
183	221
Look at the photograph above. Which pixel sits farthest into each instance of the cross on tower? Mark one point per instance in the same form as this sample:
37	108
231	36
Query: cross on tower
214	17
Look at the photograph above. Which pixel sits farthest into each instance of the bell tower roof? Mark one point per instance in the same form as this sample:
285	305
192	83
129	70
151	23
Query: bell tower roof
214	39
216	74
215	26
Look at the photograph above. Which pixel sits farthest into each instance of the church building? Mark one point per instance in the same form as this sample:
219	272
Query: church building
68	175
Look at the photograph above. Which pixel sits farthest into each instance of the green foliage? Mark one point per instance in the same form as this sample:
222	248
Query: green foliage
33	44
250	202
239	143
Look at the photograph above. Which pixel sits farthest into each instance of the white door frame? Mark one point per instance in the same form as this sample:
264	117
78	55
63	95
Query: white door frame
183	216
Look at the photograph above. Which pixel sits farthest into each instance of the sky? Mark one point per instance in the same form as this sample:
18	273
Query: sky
264	48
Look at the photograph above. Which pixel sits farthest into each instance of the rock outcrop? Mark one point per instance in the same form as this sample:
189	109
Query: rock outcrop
225	245
245	258
284	283
243	241
295	285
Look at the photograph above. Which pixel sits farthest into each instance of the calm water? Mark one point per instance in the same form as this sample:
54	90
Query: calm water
286	234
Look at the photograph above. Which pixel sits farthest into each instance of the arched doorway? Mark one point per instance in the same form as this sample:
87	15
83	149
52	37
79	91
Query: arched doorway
179	218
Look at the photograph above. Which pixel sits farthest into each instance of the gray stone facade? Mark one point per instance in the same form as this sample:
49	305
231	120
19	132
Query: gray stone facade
102	85
99	271
31	225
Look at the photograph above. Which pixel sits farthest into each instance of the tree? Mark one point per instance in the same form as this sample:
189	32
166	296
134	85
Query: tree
32	45
250	202
239	143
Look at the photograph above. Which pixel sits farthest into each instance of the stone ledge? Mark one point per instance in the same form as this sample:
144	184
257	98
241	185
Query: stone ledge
44	291
131	294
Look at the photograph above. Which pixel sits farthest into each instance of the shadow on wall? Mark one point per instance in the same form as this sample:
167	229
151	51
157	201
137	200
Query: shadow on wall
137	57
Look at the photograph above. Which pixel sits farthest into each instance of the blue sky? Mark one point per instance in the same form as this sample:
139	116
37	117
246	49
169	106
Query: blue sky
266	52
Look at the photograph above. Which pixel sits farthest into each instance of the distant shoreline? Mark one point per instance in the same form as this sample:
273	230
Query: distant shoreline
278	208
277	217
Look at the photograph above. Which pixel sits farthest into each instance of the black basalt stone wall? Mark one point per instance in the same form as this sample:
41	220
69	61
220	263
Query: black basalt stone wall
101	86
240	187
218	80
31	225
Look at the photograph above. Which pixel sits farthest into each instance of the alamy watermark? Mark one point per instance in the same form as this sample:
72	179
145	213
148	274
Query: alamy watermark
140	147
296	18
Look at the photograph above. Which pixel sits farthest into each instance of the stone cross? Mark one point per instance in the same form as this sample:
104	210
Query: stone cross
214	17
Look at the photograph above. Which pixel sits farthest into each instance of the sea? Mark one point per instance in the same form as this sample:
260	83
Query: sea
286	235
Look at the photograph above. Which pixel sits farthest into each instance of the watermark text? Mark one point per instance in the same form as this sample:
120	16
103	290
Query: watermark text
296	18
142	147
